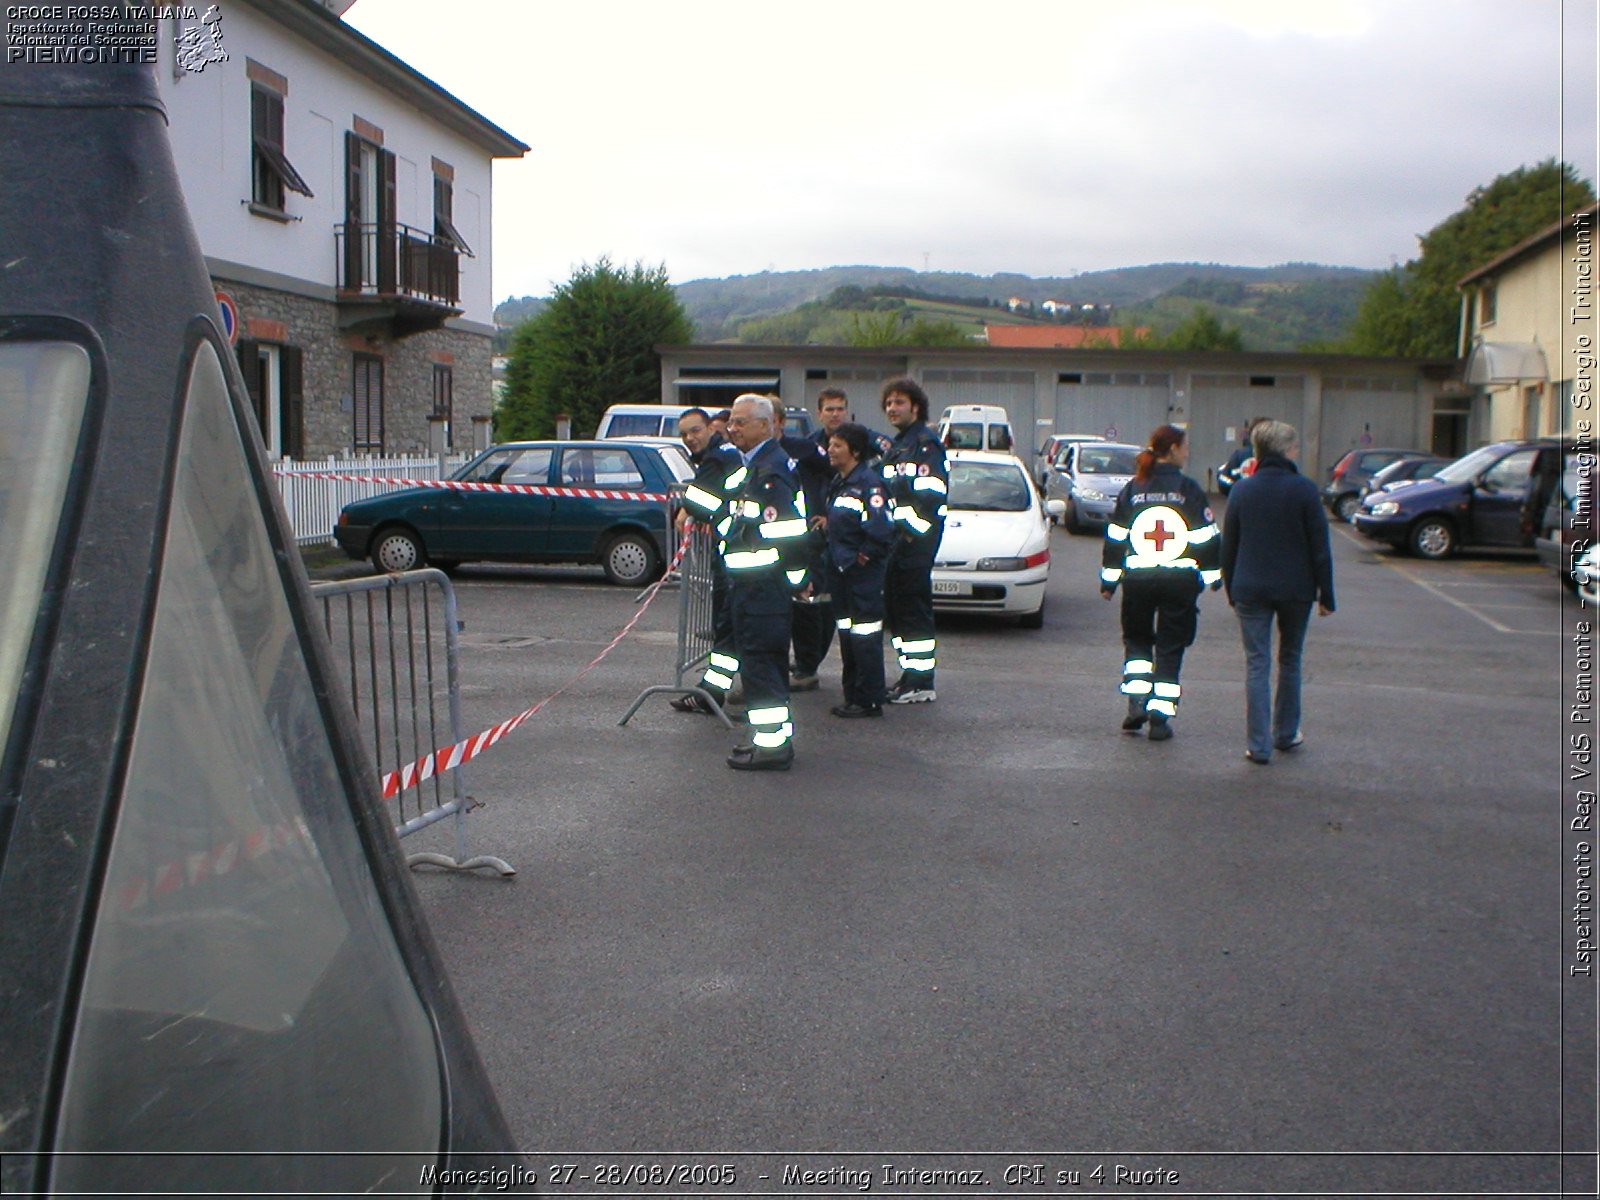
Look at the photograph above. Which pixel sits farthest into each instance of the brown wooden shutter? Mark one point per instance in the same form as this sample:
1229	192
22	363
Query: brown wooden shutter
249	353
388	239
292	367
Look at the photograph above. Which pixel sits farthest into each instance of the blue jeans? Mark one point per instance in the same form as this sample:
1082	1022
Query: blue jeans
1272	724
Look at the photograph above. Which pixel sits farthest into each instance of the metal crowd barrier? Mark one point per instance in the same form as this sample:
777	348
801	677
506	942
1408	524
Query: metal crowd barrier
693	578
386	632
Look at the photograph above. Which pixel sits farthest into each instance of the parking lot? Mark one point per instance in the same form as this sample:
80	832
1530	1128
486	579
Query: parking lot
995	923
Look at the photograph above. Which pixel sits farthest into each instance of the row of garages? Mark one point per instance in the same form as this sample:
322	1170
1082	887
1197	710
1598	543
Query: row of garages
1336	401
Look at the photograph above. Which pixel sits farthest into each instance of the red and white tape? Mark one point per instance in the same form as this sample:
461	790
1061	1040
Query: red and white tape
449	757
458	485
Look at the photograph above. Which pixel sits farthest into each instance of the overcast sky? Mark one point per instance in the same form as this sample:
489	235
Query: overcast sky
1045	137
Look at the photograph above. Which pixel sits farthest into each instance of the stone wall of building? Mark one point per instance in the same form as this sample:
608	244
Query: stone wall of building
328	366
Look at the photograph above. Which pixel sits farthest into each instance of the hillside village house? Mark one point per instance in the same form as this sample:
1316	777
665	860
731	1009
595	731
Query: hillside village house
343	203
1522	314
1338	402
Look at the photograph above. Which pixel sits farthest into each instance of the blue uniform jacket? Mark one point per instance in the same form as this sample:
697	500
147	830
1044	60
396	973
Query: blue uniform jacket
1161	524
917	477
859	527
763	518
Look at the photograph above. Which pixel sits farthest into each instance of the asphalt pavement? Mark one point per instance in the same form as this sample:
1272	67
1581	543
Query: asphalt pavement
996	927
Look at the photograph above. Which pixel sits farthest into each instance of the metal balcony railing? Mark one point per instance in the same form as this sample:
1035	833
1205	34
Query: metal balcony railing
390	259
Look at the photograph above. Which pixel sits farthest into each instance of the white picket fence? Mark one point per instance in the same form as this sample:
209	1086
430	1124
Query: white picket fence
313	502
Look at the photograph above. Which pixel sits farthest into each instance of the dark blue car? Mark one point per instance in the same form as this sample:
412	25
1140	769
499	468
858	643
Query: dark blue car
607	505
1477	500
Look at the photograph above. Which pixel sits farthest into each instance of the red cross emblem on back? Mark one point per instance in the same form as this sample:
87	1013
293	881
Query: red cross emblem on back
1158	534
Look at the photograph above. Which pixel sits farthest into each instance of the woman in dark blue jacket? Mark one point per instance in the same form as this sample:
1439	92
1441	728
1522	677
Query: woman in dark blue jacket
1276	563
860	534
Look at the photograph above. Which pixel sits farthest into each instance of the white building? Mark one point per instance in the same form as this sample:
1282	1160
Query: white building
343	202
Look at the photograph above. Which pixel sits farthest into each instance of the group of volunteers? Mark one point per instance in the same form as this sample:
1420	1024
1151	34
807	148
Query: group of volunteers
1272	553
833	531
839	530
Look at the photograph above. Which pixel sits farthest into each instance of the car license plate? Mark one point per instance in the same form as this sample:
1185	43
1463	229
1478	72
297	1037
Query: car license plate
950	587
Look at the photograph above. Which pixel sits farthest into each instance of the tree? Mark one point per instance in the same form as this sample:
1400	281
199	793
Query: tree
1200	330
1414	310
892	329
591	347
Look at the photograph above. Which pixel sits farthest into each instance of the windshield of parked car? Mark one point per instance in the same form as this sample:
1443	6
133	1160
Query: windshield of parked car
44	388
1106	460
1468	468
989	487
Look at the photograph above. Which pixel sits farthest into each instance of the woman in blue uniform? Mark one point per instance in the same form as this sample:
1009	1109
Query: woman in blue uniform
1162	547
860	534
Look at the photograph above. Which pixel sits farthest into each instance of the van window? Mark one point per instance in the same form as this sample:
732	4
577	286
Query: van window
635	425
963	436
999	437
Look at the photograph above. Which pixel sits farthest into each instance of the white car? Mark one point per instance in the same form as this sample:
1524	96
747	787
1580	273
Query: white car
1585	573
995	555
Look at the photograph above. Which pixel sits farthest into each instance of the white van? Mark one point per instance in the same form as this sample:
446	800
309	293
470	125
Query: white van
641	420
661	420
976	427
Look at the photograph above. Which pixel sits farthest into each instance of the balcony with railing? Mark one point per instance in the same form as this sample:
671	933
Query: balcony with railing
396	279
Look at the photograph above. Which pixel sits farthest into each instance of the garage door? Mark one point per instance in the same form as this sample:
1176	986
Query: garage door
1221	404
1371	411
1123	406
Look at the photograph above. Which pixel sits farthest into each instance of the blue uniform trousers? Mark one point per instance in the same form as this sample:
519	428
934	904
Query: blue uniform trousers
761	606
908	606
813	622
1160	614
858	603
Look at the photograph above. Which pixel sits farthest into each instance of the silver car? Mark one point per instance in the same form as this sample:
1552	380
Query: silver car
1089	476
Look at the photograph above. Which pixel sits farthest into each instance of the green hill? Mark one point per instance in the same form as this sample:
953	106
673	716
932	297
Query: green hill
1275	308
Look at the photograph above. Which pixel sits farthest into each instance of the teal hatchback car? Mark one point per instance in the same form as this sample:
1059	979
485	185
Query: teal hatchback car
604	502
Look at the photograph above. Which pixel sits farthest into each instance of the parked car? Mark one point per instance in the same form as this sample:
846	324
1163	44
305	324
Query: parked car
995	555
628	537
1045	459
1586	576
1088	477
976	427
1342	492
1560	510
1477	500
1404	471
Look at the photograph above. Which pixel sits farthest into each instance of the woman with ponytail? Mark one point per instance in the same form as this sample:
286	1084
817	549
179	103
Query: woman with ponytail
1162	548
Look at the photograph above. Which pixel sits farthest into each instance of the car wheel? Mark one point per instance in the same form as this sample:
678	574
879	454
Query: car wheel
631	559
1071	520
397	549
1433	537
1345	506
1033	620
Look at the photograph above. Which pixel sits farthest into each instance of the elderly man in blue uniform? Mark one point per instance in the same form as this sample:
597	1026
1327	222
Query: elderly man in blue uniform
714	458
763	528
918	483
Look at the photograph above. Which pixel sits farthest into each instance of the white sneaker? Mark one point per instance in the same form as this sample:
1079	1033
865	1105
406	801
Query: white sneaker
912	695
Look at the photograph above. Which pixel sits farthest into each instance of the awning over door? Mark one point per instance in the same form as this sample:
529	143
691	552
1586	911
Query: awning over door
1506	362
744	381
